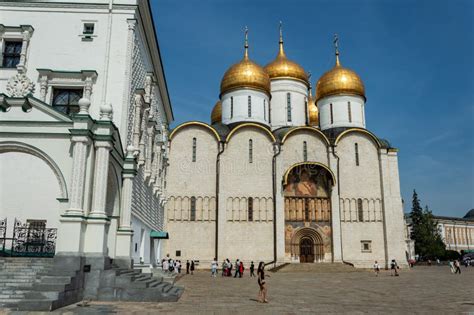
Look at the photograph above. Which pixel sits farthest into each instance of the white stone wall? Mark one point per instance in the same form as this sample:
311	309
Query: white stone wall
259	106
279	107
340	108
243	239
195	239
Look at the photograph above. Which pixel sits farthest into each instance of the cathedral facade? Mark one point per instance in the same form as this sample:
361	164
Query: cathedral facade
283	176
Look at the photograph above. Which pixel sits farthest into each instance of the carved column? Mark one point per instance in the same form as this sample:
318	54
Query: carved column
22	64
43	87
79	155
143	130
137	121
88	88
101	169
150	147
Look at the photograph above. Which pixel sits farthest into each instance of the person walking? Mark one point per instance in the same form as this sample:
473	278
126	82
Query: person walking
457	266
376	268
394	268
451	266
230	269
262	293
252	268
187	267
224	268
179	266
241	269
237	265
192	267
214	268
165	265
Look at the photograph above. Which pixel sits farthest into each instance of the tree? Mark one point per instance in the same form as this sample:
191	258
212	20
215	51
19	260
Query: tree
428	241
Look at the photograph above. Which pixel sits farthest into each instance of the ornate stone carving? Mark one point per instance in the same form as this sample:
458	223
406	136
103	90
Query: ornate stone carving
20	85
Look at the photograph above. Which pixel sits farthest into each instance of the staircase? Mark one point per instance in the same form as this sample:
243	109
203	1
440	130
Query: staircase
41	284
133	285
32	284
319	268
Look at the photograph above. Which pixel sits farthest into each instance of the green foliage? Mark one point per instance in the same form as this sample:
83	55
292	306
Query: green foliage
428	241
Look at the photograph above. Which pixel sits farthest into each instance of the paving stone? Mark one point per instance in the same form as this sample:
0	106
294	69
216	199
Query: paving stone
419	290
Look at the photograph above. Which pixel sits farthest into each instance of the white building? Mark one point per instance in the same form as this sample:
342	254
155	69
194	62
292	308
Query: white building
280	176
83	125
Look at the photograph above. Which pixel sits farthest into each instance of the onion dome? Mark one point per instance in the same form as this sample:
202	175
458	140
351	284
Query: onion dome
245	74
469	215
313	118
339	80
216	114
282	67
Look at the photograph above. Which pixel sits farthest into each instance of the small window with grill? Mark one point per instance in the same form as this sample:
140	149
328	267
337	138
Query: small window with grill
66	100
11	54
88	29
250	208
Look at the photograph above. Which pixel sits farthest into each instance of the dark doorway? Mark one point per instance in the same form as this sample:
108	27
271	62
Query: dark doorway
306	250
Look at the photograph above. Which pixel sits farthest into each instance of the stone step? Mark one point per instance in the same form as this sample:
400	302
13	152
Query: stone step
28	305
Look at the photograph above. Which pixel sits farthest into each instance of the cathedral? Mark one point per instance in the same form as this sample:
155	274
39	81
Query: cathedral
282	174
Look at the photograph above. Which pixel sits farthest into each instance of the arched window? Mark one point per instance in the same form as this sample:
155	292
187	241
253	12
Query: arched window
194	149
360	210
288	106
331	113
250	106
349	111
250	151
193	209
356	149
264	110
231	107
305	151
250	208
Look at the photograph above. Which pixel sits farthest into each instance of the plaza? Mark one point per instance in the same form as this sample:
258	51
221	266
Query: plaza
419	290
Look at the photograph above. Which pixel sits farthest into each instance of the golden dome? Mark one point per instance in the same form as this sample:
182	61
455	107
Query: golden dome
339	80
313	110
216	114
245	74
282	67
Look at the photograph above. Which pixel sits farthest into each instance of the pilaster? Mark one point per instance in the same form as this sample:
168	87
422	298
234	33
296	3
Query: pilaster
337	254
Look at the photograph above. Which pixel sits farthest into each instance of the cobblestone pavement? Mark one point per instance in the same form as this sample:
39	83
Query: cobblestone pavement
420	290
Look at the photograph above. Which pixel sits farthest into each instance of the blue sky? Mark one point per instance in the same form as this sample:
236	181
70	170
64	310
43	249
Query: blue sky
415	58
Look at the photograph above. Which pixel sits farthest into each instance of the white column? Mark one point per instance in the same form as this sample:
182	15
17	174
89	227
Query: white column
79	155
335	212
137	121
150	148
101	170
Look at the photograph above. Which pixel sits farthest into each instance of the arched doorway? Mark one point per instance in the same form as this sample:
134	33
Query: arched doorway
307	206
306	250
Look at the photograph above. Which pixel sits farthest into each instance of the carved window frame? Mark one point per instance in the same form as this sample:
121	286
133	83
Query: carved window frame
57	79
21	33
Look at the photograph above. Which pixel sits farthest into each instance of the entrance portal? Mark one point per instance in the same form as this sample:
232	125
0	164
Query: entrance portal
306	250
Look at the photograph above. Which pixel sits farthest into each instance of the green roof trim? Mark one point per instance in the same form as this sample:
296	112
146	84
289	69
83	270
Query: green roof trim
159	234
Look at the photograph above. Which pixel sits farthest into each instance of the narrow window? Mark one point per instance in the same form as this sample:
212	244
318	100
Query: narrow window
88	29
349	111
360	211
306	209
305	151
250	106
264	110
288	106
66	100
231	107
332	115
11	54
193	209
194	149
356	147
250	206
250	151
306	111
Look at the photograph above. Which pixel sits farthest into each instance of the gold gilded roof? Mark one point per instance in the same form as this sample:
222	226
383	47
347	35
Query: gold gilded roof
339	80
245	74
282	67
216	114
313	110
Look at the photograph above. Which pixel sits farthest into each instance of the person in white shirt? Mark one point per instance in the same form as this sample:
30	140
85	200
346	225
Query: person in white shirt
376	268
214	268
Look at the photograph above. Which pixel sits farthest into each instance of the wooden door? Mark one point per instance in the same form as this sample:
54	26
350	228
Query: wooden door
306	250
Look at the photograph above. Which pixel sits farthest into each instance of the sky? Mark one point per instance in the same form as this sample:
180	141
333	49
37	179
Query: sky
415	58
